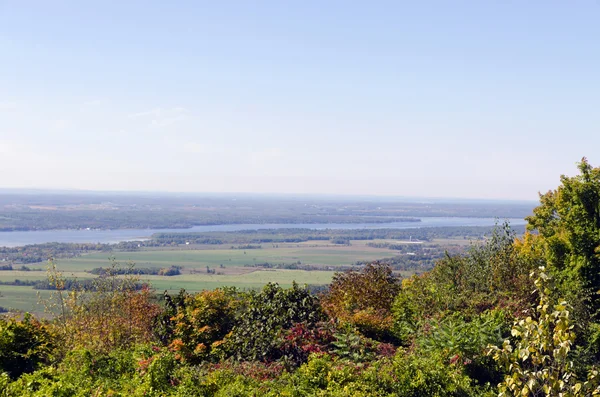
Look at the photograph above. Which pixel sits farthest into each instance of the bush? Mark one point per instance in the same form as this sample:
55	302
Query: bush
364	299
112	314
302	340
25	345
429	374
459	339
540	362
201	323
259	333
492	275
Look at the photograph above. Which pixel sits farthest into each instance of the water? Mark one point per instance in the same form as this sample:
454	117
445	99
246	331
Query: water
15	239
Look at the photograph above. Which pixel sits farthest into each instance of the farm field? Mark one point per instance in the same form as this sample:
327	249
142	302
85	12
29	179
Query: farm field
197	258
229	266
255	279
21	298
25	298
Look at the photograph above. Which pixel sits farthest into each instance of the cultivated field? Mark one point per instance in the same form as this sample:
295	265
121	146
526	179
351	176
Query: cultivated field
232	267
198	257
21	298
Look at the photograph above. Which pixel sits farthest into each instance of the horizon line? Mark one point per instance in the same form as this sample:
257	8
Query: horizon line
33	190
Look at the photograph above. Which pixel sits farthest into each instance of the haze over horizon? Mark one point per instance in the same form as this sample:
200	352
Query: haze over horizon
424	99
266	195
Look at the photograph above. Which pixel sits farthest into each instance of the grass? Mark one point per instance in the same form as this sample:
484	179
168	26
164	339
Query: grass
25	298
237	268
235	265
256	279
21	298
13	275
314	254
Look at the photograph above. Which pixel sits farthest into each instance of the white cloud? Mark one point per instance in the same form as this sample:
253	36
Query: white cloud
161	117
93	102
200	148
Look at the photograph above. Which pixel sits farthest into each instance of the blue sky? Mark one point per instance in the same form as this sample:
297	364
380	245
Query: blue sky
474	99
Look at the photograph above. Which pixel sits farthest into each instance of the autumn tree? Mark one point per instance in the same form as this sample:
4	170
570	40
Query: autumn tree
364	298
201	323
115	311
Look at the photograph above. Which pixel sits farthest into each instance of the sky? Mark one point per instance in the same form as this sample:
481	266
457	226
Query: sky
470	99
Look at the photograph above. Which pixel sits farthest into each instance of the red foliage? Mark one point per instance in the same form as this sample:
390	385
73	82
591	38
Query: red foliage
309	340
386	350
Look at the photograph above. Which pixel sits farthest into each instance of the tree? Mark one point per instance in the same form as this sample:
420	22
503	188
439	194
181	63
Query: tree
364	298
112	312
201	323
568	223
25	345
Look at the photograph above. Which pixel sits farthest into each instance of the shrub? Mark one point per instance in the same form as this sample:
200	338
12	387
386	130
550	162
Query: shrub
489	276
429	374
464	340
364	299
113	313
163	326
539	363
25	345
259	333
353	346
110	320
302	340
201	323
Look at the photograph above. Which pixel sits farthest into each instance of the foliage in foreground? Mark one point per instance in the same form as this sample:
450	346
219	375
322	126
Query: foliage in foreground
481	324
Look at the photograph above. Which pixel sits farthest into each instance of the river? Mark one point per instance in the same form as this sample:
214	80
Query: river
15	239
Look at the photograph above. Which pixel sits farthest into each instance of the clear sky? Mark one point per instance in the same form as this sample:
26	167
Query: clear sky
474	99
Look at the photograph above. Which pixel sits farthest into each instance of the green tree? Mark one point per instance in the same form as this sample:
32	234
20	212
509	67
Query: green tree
568	223
25	345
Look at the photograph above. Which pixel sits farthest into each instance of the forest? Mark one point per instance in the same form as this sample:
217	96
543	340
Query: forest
301	235
516	315
21	211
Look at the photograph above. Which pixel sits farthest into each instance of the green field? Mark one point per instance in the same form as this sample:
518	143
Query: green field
238	268
21	298
232	267
215	256
26	298
255	279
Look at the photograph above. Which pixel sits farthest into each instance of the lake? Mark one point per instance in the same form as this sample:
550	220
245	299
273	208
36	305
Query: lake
15	239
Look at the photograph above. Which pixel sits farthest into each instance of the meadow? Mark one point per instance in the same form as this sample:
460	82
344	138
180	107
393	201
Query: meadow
194	258
206	267
25	298
232	267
